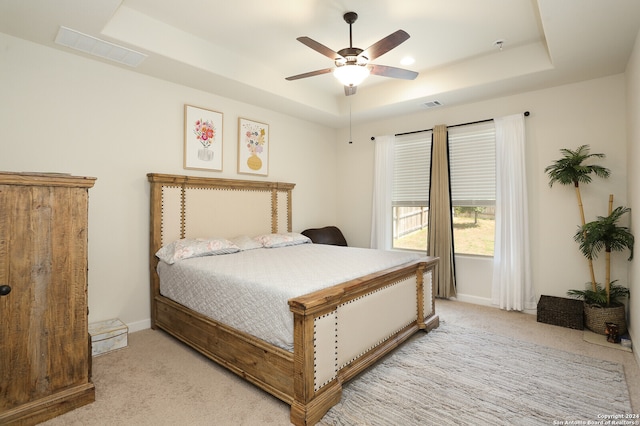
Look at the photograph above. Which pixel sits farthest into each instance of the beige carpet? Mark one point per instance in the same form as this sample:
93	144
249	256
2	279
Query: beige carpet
158	381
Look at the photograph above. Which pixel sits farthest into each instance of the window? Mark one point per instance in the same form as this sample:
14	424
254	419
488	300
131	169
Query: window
411	171
472	169
472	163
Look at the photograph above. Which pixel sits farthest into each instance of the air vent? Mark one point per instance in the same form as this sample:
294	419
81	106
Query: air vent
431	104
94	46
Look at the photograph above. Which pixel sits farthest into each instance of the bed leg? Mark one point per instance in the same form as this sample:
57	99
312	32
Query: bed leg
432	322
312	412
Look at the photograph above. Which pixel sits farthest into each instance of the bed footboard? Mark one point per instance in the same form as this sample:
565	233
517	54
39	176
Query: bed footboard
340	331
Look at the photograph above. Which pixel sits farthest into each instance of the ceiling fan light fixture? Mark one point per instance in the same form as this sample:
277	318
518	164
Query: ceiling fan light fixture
407	60
351	75
352	63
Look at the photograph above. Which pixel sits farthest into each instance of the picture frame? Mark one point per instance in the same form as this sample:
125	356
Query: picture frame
203	131
253	147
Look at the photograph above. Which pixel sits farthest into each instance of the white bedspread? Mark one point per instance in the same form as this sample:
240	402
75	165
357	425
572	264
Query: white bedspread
249	290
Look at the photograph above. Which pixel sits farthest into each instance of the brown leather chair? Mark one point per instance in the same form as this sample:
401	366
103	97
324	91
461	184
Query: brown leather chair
327	235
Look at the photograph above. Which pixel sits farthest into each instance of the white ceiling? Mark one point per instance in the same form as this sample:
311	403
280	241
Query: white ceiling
244	49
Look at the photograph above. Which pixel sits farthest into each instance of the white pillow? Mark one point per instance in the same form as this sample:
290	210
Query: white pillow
245	242
187	248
282	240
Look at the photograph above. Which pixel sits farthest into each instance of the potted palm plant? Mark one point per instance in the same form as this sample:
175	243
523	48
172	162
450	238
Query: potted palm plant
604	304
572	170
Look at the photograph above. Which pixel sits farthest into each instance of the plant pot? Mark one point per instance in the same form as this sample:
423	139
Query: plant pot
596	317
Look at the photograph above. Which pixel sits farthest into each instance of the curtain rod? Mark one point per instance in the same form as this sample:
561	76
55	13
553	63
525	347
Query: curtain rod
526	114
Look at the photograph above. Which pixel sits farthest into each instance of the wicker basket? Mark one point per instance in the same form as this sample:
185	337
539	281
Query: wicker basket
595	318
561	311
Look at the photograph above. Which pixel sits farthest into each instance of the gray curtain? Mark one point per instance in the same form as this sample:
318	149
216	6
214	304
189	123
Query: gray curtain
440	243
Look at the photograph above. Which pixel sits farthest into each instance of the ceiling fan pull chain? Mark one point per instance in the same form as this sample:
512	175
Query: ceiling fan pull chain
350	138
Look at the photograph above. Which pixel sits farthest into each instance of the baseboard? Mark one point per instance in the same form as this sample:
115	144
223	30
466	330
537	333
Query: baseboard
476	300
139	325
636	350
484	301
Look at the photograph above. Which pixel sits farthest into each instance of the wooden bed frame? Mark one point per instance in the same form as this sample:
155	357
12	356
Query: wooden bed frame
338	331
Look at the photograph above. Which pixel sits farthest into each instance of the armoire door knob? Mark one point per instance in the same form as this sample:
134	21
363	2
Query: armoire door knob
4	290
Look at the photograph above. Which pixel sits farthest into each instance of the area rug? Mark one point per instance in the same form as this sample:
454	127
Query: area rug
465	376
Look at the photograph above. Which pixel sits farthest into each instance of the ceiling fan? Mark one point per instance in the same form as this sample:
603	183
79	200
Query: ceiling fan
352	63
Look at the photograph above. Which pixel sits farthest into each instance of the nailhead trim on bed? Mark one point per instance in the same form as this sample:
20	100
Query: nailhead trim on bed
317	385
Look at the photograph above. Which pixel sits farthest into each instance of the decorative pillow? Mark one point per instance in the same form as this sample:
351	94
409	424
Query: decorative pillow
245	242
187	248
282	240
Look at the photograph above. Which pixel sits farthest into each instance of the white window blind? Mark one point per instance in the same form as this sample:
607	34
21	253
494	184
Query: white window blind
472	160
412	164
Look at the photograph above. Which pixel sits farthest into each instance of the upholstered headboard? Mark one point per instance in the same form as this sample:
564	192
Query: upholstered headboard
190	207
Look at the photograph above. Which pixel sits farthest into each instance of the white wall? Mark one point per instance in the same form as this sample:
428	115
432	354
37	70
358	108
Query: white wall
633	159
592	112
63	113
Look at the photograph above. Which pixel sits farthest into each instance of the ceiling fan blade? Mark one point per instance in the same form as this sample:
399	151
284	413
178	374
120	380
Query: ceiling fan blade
309	74
320	48
350	90
386	44
393	72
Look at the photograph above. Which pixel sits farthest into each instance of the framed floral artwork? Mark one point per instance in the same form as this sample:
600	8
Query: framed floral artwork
202	139
253	147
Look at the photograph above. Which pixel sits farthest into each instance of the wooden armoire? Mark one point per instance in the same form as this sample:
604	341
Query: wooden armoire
45	356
